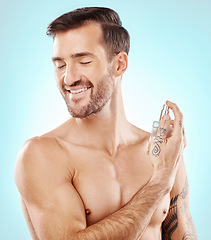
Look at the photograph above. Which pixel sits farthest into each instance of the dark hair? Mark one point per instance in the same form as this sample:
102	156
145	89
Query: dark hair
116	38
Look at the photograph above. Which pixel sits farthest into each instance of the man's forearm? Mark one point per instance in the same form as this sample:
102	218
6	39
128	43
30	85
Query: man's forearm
131	220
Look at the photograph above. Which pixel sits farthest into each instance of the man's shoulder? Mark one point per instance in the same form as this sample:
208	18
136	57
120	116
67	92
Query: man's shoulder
39	161
140	135
50	148
35	151
38	146
39	154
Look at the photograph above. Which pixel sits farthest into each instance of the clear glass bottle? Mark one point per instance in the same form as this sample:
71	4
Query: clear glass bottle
155	126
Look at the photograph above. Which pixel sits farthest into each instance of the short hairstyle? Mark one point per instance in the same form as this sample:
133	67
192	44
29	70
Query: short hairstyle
116	38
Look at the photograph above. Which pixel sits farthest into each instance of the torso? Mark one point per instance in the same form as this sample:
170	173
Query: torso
106	183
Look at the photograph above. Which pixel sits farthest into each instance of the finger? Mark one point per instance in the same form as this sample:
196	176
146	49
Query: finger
160	137
185	141
183	134
178	121
172	125
164	125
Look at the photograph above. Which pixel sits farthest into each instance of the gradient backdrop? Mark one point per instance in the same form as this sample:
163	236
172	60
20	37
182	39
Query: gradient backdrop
169	59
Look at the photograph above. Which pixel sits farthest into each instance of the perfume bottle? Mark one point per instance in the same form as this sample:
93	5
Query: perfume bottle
155	125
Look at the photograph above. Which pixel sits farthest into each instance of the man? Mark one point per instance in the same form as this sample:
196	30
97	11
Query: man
91	178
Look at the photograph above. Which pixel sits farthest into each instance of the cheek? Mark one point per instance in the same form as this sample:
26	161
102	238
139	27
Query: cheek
96	74
58	78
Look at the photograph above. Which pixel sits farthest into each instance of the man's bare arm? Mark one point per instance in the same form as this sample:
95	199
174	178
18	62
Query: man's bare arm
178	223
55	208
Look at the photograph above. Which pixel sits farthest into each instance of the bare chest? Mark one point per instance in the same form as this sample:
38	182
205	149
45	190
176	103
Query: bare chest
105	184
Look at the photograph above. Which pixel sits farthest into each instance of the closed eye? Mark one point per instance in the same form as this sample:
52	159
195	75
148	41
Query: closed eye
85	63
59	67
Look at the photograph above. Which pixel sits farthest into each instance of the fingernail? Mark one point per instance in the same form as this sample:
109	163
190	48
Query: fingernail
155	124
166	117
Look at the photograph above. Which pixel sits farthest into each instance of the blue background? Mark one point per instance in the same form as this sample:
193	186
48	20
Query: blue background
169	59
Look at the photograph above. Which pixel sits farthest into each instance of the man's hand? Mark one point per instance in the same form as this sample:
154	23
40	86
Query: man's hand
166	149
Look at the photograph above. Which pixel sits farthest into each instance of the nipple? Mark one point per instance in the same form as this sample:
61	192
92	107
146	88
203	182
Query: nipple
164	211
87	211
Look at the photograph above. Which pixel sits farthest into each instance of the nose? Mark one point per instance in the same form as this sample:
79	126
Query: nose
71	75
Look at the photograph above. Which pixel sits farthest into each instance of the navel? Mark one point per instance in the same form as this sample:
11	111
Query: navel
88	211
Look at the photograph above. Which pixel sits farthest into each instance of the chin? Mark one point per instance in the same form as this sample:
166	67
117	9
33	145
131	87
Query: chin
79	113
84	112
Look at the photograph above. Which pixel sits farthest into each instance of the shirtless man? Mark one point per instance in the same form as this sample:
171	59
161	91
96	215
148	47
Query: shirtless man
91	178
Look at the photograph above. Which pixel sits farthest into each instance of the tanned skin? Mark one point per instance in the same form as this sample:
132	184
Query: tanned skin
91	178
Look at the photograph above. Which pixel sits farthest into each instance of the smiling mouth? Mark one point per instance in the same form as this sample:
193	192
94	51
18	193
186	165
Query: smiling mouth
79	90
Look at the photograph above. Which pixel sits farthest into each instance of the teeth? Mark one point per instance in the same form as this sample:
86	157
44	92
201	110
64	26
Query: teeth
78	91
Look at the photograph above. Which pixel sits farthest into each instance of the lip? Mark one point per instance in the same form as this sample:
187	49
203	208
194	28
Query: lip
78	91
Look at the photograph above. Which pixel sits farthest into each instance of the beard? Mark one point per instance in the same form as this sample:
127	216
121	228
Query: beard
100	94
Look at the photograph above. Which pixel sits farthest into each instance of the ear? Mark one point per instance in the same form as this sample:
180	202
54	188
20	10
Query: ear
120	64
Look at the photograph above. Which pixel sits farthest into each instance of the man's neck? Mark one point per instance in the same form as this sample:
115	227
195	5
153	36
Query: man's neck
109	128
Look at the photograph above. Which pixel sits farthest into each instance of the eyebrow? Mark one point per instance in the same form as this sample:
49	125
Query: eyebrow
76	55
82	54
57	59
